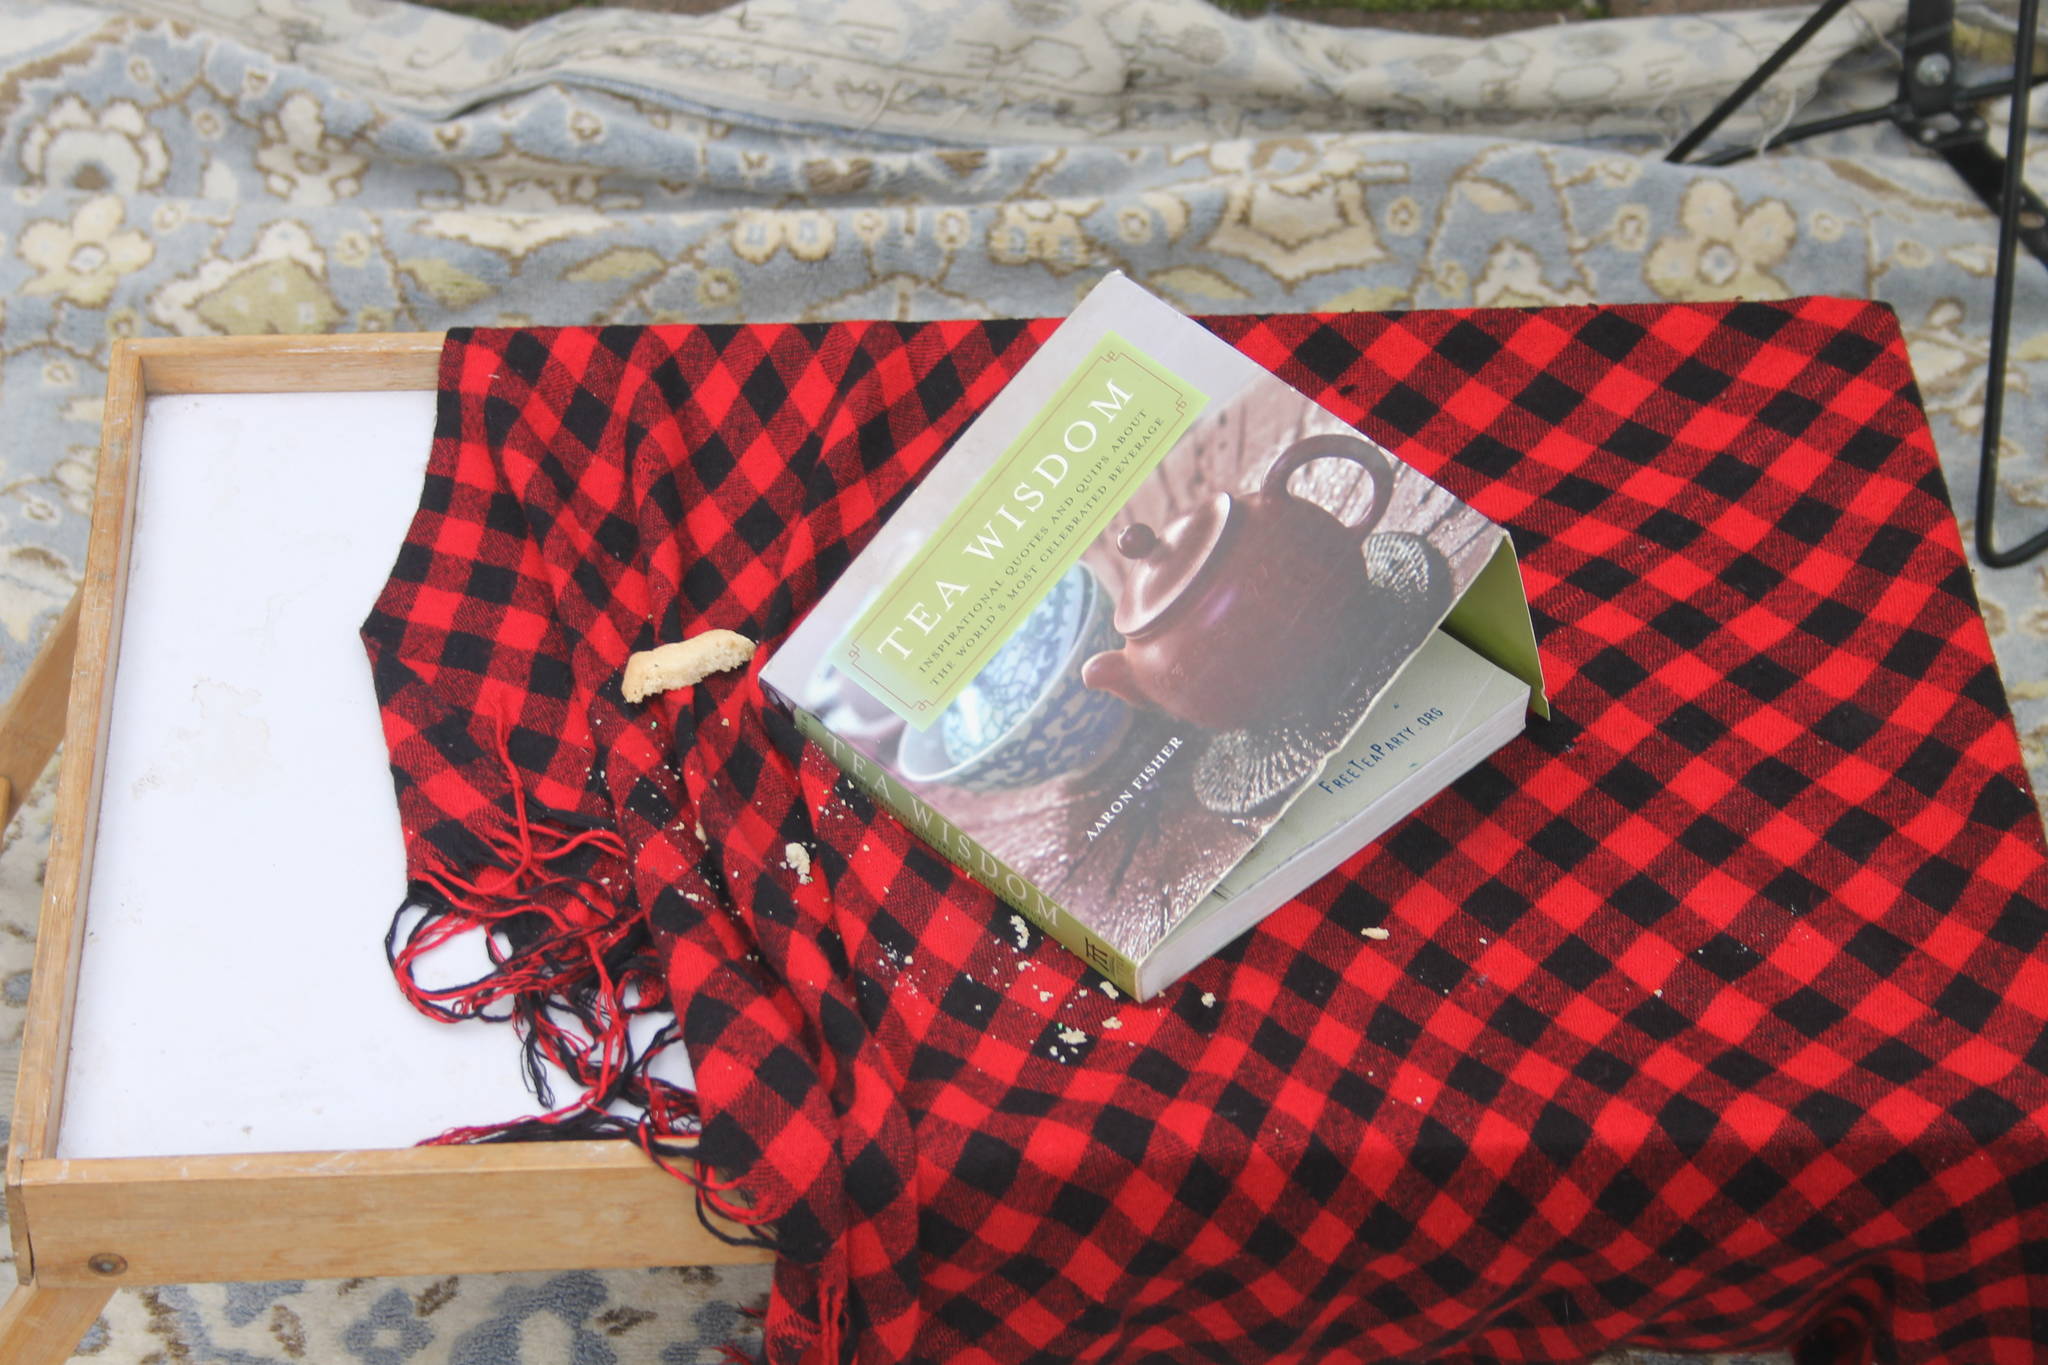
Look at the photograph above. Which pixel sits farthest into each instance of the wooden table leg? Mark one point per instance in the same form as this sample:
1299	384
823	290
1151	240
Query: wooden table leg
44	1326
32	720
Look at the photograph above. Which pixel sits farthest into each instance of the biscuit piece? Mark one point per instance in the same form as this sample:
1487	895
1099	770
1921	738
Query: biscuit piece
684	663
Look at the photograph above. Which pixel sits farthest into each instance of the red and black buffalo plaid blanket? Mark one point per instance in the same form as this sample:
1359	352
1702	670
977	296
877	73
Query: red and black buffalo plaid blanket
1711	1013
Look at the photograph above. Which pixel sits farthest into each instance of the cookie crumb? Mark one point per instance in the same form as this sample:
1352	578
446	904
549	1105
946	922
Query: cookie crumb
797	859
1112	1023
1208	1000
1377	933
1072	1035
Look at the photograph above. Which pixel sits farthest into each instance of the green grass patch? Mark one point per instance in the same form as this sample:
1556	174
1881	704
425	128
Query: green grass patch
1311	8
517	13
511	13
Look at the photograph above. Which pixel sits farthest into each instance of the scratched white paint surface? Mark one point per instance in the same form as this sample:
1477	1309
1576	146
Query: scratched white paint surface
233	995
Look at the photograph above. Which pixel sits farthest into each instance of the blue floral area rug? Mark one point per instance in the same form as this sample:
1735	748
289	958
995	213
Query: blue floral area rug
663	1317
204	167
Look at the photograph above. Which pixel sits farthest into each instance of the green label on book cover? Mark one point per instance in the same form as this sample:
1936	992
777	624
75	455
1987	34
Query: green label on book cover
1022	526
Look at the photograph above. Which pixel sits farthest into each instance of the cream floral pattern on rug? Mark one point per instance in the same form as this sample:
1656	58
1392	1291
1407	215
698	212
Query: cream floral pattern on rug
202	167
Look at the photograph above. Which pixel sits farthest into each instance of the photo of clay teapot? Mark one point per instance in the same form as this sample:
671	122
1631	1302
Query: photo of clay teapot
1247	605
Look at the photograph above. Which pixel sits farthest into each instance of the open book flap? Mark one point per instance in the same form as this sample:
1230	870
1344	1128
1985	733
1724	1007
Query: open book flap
1492	618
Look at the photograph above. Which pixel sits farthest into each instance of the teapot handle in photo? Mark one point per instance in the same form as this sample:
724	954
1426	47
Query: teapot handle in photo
1336	445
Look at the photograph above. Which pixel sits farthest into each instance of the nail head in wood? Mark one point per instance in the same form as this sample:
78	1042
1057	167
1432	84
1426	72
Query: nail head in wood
107	1263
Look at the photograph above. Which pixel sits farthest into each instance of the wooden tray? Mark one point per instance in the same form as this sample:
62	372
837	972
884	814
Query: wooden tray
123	1187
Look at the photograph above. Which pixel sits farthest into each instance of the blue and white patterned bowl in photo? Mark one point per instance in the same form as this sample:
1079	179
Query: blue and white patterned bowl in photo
1012	682
1027	717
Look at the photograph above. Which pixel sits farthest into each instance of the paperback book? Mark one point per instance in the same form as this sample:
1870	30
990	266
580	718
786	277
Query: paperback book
1160	641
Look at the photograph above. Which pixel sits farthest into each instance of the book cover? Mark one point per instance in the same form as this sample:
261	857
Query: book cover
1126	622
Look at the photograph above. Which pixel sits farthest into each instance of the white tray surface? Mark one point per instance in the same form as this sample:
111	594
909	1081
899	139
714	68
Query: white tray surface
233	995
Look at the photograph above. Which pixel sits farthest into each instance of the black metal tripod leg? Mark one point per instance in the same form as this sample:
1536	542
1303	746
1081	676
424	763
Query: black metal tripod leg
1800	37
2009	208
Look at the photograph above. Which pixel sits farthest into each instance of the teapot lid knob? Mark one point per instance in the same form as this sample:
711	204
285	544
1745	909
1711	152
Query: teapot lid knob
1137	541
1167	564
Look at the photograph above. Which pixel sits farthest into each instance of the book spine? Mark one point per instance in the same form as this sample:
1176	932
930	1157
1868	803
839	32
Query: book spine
967	854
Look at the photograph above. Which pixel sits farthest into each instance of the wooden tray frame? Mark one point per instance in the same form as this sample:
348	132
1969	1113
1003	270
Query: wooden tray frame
83	1228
